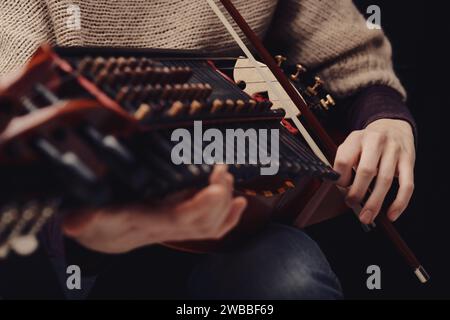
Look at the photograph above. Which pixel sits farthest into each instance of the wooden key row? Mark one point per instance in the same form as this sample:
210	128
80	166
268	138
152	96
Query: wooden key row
196	107
153	93
115	74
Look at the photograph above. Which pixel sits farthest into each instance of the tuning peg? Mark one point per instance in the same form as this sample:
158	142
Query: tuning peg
217	105
97	65
8	217
85	65
241	84
143	111
327	102
196	107
299	70
175	109
24	245
280	59
313	91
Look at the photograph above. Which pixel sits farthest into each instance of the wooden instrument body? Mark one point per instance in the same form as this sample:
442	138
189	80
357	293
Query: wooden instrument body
102	112
309	197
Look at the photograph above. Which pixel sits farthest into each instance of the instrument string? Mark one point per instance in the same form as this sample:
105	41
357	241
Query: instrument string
309	140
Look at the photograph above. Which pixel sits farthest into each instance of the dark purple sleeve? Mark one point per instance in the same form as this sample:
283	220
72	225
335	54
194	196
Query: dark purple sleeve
65	251
377	102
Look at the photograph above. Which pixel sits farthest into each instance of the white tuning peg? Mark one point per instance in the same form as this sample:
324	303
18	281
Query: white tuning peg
299	71
24	245
280	60
327	102
313	90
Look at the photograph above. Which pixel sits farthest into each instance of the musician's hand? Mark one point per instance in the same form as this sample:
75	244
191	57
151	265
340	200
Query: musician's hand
209	214
381	151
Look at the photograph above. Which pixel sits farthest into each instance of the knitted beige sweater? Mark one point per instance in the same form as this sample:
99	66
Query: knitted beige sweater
317	32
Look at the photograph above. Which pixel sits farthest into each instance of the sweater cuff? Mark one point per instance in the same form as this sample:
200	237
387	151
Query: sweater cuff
378	102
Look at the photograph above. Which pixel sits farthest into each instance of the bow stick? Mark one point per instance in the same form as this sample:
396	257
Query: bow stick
329	147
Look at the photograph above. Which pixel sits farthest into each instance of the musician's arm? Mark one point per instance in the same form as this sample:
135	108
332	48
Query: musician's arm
381	146
87	238
377	102
24	26
332	38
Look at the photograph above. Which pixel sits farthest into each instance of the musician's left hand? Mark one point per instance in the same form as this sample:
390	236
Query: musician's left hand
383	150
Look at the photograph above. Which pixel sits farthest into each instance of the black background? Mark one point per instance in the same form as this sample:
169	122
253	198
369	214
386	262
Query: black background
418	34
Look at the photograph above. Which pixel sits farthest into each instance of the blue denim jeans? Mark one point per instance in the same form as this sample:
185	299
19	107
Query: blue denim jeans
281	262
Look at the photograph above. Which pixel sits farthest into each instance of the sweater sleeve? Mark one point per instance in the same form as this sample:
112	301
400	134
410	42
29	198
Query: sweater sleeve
331	36
374	103
24	25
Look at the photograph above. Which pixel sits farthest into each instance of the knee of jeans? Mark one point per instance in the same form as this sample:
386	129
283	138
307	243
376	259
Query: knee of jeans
280	263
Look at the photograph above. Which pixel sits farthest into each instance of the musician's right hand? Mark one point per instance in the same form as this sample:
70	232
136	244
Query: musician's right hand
209	214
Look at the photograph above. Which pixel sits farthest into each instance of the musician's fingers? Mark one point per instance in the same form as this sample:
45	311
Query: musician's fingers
406	189
218	174
384	179
215	209
346	157
237	208
367	168
228	182
221	176
208	209
207	202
